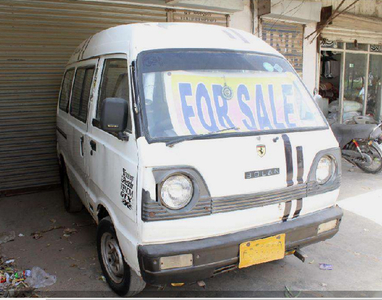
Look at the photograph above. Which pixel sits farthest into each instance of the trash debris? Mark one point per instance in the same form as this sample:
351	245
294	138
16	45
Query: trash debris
21	235
202	284
53	220
102	278
69	231
12	280
312	262
39	278
39	234
324	284
6	237
326	266
289	294
9	261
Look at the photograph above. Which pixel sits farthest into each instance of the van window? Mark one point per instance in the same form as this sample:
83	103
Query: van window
81	93
115	83
65	90
193	93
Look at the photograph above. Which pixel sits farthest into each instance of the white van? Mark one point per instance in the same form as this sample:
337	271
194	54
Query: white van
197	149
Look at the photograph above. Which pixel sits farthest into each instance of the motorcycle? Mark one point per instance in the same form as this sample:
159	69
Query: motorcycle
359	145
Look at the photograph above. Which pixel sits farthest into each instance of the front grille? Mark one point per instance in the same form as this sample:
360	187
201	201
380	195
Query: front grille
225	204
153	211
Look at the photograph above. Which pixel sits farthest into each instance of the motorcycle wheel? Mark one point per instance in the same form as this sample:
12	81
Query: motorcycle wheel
376	155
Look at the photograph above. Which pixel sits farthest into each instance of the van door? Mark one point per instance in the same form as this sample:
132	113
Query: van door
113	162
78	115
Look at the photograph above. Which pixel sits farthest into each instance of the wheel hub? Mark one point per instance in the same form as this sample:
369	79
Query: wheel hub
112	257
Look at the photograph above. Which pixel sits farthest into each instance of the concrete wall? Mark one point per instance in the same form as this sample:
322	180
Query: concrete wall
310	56
243	19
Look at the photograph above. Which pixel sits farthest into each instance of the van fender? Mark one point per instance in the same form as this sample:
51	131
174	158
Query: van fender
127	243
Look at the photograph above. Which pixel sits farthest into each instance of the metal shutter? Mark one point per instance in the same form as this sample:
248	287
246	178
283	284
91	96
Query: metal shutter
37	39
287	38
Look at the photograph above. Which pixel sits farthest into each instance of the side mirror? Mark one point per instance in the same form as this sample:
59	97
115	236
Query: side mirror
114	115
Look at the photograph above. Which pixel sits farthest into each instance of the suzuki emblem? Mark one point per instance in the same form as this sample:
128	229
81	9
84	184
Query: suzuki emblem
261	150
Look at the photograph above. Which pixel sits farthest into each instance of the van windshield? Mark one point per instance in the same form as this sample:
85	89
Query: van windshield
195	93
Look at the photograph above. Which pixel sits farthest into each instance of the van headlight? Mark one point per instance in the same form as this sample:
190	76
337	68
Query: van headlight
176	191
325	169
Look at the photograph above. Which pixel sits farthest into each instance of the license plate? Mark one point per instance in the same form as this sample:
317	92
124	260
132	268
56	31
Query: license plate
261	251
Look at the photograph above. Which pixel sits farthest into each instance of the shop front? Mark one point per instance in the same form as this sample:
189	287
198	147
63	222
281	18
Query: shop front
38	38
350	72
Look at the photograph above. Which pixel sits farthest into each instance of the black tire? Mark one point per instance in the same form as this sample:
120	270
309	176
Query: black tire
376	154
127	282
72	202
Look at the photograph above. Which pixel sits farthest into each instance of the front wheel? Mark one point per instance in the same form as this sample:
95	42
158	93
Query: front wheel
374	165
120	277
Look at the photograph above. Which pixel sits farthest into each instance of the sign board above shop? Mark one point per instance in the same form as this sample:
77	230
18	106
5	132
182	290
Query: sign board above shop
197	17
228	6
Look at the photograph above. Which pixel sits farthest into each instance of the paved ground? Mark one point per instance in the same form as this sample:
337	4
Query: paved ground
354	252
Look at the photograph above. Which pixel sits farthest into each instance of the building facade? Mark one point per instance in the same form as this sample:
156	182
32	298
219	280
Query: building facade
343	62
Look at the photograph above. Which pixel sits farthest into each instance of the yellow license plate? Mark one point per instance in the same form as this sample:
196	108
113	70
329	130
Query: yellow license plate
261	251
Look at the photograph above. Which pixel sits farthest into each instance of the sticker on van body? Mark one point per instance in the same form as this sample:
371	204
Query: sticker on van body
127	189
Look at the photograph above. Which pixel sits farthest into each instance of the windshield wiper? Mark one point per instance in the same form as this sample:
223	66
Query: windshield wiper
194	137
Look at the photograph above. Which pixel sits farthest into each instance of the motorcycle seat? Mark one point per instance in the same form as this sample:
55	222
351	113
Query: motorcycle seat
346	132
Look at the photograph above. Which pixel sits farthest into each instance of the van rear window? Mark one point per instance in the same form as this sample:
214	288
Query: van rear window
65	90
81	93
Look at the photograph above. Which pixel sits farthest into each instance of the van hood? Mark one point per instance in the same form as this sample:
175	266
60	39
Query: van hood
242	165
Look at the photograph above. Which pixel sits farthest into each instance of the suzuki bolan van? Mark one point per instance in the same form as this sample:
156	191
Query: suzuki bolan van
197	149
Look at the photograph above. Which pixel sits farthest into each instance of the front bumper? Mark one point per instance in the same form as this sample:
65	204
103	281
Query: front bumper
212	256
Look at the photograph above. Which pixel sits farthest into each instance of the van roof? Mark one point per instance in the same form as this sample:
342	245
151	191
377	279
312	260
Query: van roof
135	38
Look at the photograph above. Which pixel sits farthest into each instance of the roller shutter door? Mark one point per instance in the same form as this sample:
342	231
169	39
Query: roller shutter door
287	38
37	39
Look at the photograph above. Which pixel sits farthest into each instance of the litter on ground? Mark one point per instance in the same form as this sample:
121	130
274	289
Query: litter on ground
15	282
326	266
6	237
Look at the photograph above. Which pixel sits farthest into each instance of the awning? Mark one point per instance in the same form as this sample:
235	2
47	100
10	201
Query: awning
348	27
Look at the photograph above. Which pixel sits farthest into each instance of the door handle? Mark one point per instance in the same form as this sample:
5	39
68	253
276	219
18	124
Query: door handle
93	145
82	145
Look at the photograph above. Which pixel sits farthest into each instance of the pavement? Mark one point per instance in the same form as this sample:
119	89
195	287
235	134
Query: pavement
354	252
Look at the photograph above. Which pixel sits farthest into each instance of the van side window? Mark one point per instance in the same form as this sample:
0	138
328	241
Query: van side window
81	93
115	84
65	90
